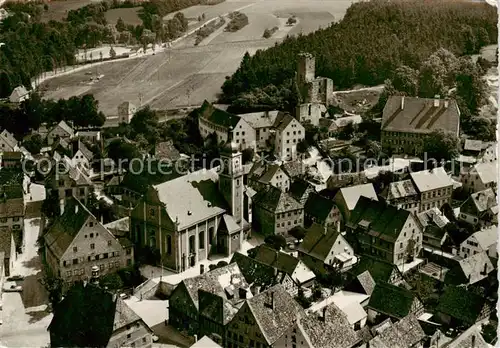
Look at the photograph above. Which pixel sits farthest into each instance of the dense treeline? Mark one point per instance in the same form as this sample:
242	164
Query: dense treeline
77	111
30	47
372	40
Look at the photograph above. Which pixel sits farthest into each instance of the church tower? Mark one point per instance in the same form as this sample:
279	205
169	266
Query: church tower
231	178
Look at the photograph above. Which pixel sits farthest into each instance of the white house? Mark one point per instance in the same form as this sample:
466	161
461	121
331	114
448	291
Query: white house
262	174
480	177
289	132
7	142
481	208
19	94
481	241
61	130
92	136
81	155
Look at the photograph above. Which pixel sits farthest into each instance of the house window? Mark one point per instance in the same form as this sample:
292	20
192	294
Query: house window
14	219
91	224
64	263
109	243
129	262
91	235
75	249
92	246
201	240
82	192
69	192
129	251
75	261
105	256
16	227
4	220
128	335
152	212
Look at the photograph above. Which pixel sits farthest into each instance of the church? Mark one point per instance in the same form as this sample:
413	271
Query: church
196	215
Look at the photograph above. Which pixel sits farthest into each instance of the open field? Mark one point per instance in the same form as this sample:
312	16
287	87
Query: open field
129	15
58	10
187	75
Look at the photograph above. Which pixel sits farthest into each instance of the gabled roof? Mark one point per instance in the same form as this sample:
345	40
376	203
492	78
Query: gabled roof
332	331
318	241
366	282
276	259
481	201
19	91
65	227
79	146
192	197
405	333
391	300
167	151
65	127
399	189
461	304
435	178
380	270
476	267
318	206
255	272
475	145
487	237
218	116
419	115
433	217
471	337
352	194
293	168
283	120
276	201
215	281
75	173
263	172
262	119
8	138
62	142
87	317
299	188
487	171
383	220
274	322
205	342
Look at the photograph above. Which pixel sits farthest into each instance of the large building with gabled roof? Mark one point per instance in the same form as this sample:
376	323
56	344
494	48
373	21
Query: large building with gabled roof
77	241
276	212
407	120
195	215
89	316
384	231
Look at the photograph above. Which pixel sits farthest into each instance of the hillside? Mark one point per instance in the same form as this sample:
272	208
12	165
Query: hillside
372	40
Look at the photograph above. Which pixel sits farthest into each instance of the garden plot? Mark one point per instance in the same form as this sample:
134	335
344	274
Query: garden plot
58	10
102	52
211	11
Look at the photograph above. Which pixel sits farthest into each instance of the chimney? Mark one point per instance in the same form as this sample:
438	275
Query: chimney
257	289
402	102
271	299
202	268
325	230
473	341
323	317
436	100
485	270
76	209
446	104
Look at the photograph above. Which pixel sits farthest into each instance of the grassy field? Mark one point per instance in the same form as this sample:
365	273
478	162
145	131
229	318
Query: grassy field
58	10
186	74
129	15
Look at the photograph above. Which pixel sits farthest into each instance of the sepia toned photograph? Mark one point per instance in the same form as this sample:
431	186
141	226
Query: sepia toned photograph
249	173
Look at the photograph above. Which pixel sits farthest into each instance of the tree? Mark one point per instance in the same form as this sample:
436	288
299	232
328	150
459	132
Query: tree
32	111
302	146
112	53
471	88
54	285
348	131
121	150
247	155
33	143
406	80
50	206
440	146
120	25
297	232
111	281
275	241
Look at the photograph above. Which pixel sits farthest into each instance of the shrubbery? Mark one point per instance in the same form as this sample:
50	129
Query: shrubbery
269	32
238	21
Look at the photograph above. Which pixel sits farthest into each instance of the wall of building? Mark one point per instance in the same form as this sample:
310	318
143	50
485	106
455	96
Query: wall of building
309	112
243	331
284	222
401	142
264	136
471	182
435	198
206	128
13	222
135	335
55	133
80	159
280	180
287	140
244	135
410	231
293	337
94	245
470	247
340	246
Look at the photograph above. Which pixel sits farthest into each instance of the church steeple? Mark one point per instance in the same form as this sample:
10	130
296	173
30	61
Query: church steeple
231	177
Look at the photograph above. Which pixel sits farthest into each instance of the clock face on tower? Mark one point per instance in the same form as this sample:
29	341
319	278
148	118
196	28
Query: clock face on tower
225	169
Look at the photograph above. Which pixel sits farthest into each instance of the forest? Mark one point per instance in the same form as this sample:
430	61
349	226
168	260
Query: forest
30	46
366	47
